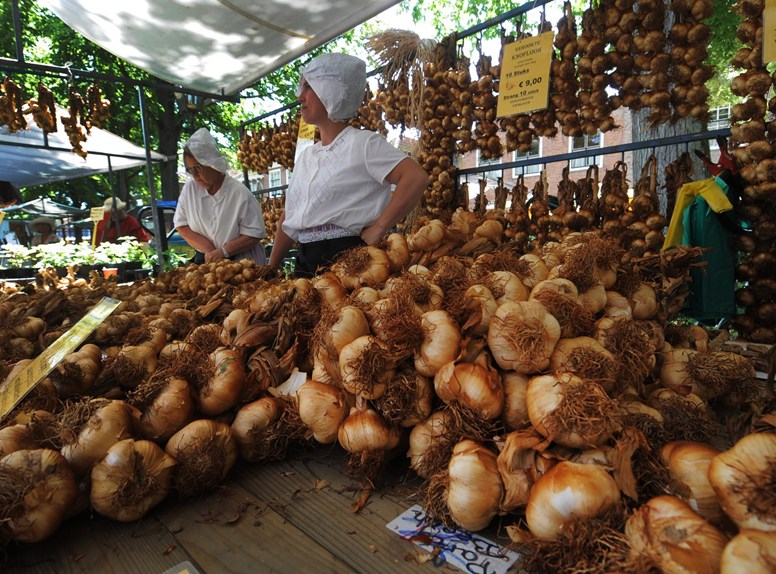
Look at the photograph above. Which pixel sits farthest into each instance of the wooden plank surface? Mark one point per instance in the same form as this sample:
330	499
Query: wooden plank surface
230	530
289	516
94	544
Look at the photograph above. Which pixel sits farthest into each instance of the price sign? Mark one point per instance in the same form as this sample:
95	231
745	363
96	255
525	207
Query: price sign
769	32
465	550
305	138
2	216
16	389
524	85
96	214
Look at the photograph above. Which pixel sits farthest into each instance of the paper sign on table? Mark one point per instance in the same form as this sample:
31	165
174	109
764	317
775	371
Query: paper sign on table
466	550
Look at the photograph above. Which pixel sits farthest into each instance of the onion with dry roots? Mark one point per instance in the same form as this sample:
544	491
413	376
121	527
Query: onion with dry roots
365	367
133	477
666	532
206	451
110	422
441	342
364	430
571	411
322	408
398	252
586	358
569	491
515	413
744	478
250	423
688	464
474	490
522	336
750	552
367	265
223	389
426	438
37	487
475	386
165	405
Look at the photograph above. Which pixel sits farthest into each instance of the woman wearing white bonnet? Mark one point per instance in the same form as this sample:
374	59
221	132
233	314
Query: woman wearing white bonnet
340	195
216	214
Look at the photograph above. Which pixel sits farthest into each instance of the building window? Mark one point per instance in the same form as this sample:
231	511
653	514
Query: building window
275	177
582	143
494	174
719	118
535	152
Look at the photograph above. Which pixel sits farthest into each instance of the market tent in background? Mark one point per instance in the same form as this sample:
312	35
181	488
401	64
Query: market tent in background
25	163
215	46
45	207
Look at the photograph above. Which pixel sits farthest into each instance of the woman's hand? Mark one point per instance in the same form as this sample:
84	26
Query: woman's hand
372	234
214	255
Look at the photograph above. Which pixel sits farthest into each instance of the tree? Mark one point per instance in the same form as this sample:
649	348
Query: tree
49	40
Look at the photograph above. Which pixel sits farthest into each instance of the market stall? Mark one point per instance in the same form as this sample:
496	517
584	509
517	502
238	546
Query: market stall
518	372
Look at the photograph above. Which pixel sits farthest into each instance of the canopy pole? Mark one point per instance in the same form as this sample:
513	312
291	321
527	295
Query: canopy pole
151	185
17	30
114	211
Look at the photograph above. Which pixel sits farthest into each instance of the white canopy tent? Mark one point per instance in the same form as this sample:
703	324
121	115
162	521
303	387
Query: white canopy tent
216	46
28	159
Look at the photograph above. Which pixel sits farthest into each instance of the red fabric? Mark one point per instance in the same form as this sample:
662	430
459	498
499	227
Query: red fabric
128	227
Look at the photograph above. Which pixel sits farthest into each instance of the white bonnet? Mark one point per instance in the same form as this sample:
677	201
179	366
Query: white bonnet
203	147
339	81
108	204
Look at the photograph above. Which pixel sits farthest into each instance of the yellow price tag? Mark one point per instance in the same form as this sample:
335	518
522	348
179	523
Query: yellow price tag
306	131
96	214
769	32
2	216
524	84
15	390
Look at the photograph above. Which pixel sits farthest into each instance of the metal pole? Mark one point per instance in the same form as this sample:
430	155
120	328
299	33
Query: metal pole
114	212
17	30
151	186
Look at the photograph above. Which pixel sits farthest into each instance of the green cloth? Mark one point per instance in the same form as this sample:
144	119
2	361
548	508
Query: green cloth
712	295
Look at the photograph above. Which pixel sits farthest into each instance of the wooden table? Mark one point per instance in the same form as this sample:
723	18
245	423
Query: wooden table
292	516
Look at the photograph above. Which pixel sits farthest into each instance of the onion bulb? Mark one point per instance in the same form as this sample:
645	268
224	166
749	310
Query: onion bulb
37	488
688	464
223	389
750	552
251	422
515	409
111	422
206	451
668	533
571	411
441	342
133	477
365	367
522	335
744	478
171	408
424	437
475	489
365	430
322	408
472	385
566	492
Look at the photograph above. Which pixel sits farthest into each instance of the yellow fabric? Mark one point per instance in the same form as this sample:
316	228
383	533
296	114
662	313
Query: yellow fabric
710	190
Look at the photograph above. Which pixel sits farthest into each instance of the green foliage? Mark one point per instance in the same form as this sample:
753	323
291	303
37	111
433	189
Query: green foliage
63	254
